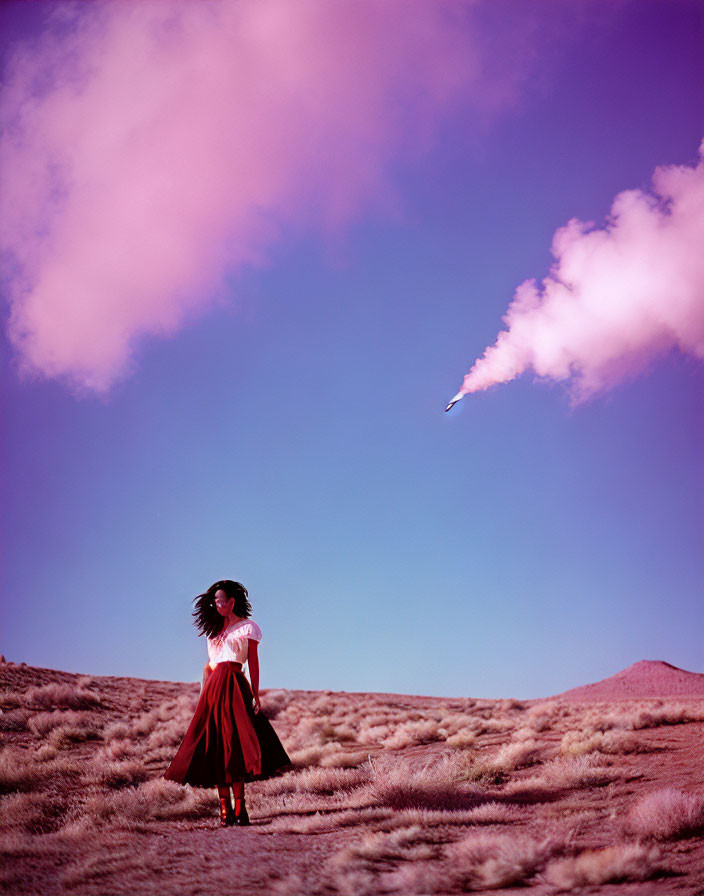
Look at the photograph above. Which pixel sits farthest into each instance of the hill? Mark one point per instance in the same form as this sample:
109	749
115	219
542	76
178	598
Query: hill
647	678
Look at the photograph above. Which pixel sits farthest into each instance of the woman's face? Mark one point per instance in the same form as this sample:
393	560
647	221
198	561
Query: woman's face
223	604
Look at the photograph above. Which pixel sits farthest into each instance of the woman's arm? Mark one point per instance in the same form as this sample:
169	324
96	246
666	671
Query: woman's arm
253	660
206	674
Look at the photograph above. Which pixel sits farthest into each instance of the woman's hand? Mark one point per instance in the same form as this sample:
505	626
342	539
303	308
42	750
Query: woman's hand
256	704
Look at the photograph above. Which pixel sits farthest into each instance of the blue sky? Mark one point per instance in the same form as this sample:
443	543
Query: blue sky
292	435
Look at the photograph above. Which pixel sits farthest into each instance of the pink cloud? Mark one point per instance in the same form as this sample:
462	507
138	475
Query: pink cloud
151	148
615	298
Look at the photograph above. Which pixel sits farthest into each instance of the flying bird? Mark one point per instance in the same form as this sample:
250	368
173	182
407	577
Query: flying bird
457	397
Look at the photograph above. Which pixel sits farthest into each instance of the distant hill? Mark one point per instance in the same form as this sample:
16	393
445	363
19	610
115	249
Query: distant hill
647	678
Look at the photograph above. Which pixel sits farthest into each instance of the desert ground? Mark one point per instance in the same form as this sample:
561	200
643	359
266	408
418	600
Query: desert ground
598	790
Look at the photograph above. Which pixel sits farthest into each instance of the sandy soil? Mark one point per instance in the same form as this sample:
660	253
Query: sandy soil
392	793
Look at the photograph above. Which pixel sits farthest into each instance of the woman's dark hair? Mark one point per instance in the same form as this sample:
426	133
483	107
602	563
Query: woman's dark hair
207	619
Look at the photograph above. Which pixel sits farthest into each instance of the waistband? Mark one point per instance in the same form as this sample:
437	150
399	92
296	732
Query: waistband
238	666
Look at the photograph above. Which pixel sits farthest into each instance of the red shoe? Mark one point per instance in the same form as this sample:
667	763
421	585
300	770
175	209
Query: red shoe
227	815
242	818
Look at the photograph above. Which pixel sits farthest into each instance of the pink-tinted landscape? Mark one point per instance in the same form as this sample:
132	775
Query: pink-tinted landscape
597	790
249	249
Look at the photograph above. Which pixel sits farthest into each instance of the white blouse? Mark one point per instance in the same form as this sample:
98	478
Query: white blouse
232	643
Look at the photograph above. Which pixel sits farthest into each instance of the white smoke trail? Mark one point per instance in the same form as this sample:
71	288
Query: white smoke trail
615	297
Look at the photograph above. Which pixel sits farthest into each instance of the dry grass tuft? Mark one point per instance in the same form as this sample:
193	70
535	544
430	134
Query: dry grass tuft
315	780
311	731
135	808
32	813
362	869
666	814
19	771
650	714
119	773
87	871
141	726
566	773
43	722
330	821
483	860
342	759
14	719
462	739
493	813
435	783
402	843
329	755
509	757
577	743
614	864
60	696
46	752
544	716
275	700
64	728
409	734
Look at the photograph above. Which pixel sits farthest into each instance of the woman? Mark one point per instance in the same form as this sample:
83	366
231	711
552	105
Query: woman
229	740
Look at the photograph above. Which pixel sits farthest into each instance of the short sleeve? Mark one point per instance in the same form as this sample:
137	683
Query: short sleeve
252	630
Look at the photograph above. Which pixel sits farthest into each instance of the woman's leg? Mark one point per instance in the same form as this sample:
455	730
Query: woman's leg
241	816
226	816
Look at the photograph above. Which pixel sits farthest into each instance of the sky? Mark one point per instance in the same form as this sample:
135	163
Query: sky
249	253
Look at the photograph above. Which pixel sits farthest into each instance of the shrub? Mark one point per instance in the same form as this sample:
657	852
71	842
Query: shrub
411	733
454	723
65	735
491	860
9	700
116	730
577	743
319	780
567	773
342	759
329	821
65	728
492	813
14	719
31	812
330	755
543	716
168	736
374	734
152	800
433	784
652	715
274	701
462	739
355	870
119	773
666	813
311	731
117	750
507	758
614	864
60	696
512	704
140	726
403	843
19	771
46	752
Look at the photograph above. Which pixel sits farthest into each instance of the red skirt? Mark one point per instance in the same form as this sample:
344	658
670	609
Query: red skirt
226	740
